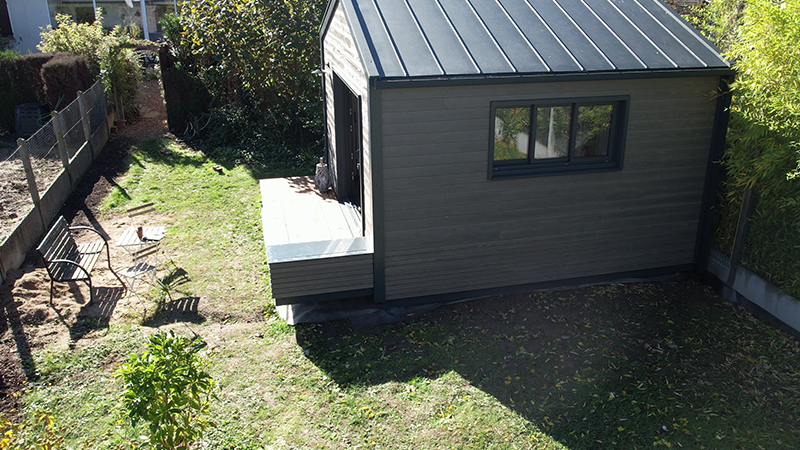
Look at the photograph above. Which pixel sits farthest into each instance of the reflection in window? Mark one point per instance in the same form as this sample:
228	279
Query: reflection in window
555	136
552	132
511	133
594	127
116	12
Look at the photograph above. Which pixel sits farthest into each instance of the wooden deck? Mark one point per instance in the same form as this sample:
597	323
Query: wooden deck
294	212
314	246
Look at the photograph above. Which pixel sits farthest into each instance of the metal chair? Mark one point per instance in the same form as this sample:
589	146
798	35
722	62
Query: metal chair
151	232
136	214
144	268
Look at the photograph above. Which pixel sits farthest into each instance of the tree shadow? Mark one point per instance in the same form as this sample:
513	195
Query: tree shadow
588	365
10	318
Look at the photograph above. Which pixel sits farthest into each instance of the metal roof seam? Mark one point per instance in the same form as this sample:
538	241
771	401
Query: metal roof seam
385	27
525	38
555	36
458	35
671	34
584	34
613	33
489	33
425	38
696	35
644	35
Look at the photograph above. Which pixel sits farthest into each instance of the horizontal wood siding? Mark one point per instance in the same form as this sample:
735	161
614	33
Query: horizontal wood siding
342	58
320	276
449	229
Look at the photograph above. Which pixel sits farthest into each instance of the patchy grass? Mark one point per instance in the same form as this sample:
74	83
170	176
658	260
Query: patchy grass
644	365
213	215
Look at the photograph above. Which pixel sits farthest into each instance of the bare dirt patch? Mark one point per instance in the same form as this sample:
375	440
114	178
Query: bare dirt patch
29	319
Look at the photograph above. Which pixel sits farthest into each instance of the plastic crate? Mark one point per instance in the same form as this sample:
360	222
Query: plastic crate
27	118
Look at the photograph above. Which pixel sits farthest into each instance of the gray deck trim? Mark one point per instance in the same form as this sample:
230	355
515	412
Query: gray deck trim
447	38
316	298
282	253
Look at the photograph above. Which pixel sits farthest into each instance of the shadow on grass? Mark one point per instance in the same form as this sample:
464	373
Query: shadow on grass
625	366
96	315
184	309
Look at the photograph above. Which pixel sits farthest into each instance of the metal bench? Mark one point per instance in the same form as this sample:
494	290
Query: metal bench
67	261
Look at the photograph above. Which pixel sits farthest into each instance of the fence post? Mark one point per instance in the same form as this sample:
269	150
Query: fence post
26	164
62	144
120	106
87	128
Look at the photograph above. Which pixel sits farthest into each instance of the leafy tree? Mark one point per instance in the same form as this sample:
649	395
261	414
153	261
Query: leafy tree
256	58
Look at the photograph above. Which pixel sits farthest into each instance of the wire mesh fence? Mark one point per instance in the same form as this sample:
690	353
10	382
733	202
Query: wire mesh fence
97	106
13	183
49	153
45	159
72	128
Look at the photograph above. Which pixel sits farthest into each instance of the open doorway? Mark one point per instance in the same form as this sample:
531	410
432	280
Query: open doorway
349	151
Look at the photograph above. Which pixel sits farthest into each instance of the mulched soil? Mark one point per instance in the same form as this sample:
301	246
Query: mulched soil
27	318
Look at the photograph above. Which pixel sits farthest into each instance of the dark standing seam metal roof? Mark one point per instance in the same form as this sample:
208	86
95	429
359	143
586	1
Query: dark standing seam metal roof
423	39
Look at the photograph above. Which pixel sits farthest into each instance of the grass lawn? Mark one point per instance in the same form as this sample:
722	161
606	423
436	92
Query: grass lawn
645	365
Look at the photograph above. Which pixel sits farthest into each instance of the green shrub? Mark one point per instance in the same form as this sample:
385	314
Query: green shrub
255	58
763	145
63	77
41	434
167	388
87	39
30	75
9	90
109	55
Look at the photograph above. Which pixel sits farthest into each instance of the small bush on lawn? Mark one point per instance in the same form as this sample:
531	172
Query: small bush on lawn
167	388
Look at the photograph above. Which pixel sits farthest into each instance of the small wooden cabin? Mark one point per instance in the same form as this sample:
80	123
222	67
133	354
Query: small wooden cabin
481	147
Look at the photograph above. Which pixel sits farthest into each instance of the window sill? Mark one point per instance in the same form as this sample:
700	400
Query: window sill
529	170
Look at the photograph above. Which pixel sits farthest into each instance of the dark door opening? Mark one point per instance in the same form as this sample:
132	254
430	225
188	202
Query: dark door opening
349	152
5	21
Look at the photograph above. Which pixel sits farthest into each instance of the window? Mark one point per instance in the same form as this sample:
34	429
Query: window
533	138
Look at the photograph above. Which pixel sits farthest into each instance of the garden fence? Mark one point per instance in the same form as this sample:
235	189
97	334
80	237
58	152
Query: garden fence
44	170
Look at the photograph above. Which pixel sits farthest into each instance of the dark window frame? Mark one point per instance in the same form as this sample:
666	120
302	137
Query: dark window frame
570	164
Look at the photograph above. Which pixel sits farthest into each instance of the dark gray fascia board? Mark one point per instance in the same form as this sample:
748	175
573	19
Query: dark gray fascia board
473	80
326	18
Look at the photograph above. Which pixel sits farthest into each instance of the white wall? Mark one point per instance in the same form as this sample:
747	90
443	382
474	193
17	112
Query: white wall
27	17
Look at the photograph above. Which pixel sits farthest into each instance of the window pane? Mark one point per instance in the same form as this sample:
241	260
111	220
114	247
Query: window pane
511	133
594	126
552	132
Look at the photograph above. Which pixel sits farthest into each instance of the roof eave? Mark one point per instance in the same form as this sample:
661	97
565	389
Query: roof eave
484	79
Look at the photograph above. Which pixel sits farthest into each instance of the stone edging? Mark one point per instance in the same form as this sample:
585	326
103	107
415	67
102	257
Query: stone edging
750	287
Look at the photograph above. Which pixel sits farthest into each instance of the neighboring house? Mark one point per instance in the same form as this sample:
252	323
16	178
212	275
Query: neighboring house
492	147
27	18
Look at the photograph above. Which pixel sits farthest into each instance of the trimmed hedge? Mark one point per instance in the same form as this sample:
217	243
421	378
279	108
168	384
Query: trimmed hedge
184	94
9	93
63	78
40	77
